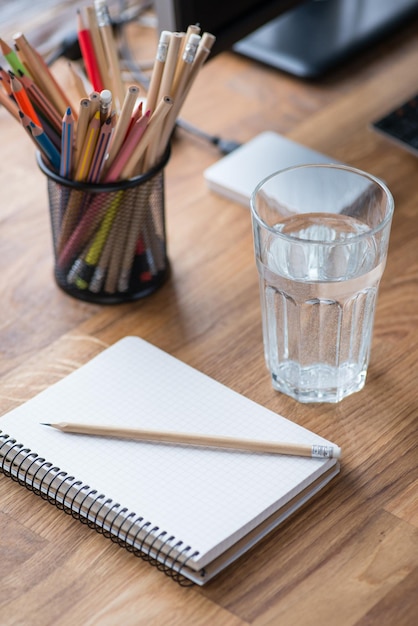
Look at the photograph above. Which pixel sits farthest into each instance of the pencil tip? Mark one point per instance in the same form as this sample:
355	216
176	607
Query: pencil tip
45	424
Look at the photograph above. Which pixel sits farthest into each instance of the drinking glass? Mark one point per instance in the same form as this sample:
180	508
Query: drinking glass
321	236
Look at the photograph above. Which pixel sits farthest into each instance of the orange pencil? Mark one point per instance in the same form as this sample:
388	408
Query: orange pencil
39	100
22	99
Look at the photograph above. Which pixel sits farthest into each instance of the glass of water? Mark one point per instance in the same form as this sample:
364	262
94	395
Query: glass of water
321	236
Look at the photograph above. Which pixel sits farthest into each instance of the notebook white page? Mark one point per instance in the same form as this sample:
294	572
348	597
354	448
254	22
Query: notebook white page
207	498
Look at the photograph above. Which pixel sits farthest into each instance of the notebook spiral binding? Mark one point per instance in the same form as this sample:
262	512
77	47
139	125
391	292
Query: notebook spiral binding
85	504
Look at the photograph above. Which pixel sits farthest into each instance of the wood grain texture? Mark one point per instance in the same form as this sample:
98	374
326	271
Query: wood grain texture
350	556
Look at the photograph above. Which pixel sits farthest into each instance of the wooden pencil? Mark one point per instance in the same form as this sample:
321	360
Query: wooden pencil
105	28
79	81
41	74
198	439
124	153
97	43
170	65
152	133
122	124
157	71
9	105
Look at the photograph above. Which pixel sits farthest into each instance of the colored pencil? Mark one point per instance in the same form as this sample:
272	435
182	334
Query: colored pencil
22	99
82	125
100	151
67	144
97	43
127	148
152	132
42	104
88	53
41	140
87	151
12	58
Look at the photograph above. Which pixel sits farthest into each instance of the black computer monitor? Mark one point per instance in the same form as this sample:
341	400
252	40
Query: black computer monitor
303	37
229	20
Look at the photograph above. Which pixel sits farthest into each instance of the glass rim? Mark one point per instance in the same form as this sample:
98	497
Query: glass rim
337	166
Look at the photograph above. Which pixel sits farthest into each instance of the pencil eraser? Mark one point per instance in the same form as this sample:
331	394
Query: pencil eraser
106	96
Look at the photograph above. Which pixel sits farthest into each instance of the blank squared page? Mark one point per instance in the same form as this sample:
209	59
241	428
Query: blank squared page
205	497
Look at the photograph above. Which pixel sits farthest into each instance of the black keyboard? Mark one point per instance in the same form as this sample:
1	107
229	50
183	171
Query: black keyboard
401	125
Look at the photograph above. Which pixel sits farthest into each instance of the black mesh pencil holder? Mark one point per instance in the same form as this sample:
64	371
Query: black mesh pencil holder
109	239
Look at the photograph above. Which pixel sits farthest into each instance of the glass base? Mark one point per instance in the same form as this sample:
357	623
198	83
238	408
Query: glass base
319	382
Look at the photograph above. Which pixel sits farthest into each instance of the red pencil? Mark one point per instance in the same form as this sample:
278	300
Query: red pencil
87	50
127	148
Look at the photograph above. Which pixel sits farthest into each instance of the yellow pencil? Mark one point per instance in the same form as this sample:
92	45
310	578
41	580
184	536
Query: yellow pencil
87	151
81	130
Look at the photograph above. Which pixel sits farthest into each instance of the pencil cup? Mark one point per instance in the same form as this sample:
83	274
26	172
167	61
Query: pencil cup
109	239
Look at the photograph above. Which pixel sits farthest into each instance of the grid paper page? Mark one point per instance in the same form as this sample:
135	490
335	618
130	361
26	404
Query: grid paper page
205	497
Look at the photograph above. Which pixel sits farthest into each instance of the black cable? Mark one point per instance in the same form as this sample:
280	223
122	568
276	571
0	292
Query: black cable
225	146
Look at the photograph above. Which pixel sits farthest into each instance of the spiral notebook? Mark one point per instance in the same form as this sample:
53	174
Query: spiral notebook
189	510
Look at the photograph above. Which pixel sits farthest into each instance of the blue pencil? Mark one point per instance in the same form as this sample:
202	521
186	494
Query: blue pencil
41	140
67	138
46	146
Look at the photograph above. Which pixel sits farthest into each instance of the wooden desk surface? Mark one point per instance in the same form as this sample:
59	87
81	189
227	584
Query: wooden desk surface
351	555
